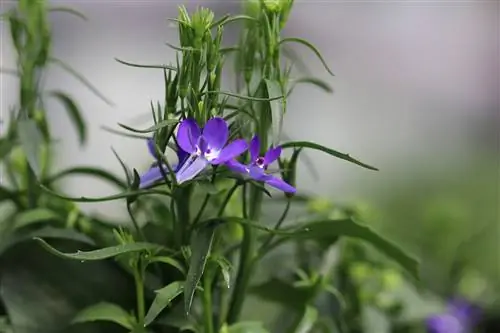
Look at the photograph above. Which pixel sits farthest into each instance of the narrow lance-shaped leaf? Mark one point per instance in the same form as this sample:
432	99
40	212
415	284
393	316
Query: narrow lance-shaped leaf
349	228
88	171
312	145
105	312
307	321
100	254
277	106
160	125
31	139
200	249
35	216
163	298
74	114
126	63
311	47
68	10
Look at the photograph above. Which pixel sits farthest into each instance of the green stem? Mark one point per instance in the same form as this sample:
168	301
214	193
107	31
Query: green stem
135	223
139	291
202	209
247	254
277	226
207	304
226	200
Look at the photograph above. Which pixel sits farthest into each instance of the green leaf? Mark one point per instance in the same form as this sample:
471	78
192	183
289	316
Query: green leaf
349	228
247	327
105	312
43	293
163	298
308	320
169	67
200	249
31	139
81	78
108	198
277	106
35	216
279	291
6	146
226	268
248	98
169	261
68	10
154	128
311	47
88	171
228	19
74	114
312	145
100	254
311	80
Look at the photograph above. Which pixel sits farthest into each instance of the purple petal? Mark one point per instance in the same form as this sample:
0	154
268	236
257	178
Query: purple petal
444	323
151	147
254	148
466	312
272	155
236	166
280	185
151	176
182	156
231	151
191	169
258	173
188	135
216	133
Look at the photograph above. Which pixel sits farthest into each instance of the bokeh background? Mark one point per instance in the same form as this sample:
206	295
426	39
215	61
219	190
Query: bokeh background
416	93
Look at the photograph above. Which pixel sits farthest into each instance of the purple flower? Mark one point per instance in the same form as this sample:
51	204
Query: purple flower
460	317
207	146
154	174
257	168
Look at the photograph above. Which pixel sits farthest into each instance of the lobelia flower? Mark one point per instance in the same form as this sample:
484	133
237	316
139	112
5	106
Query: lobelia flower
257	168
460	317
207	146
154	174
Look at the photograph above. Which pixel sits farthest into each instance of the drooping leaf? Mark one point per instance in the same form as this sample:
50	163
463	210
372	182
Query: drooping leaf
154	128
279	291
228	19
100	254
311	47
244	97
74	114
349	228
277	106
169	261
307	321
31	139
169	67
88	171
247	327
35	216
311	80
163	298
312	145
68	10
105	312
107	198
200	249
80	78
43	293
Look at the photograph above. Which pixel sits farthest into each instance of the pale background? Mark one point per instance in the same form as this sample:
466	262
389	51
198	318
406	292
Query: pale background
416	87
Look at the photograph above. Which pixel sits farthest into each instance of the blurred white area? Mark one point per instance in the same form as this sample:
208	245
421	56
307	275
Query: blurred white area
416	84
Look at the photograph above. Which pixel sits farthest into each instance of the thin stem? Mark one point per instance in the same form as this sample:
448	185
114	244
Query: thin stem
135	223
277	226
139	291
226	200
202	209
207	304
246	258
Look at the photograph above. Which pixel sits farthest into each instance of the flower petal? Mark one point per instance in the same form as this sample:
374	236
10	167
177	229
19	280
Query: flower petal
444	323
236	166
182	156
151	176
151	147
188	135
191	168
231	151
254	148
280	185
216	133
272	155
257	173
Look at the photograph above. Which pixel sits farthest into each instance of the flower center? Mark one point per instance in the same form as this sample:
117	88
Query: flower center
260	162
